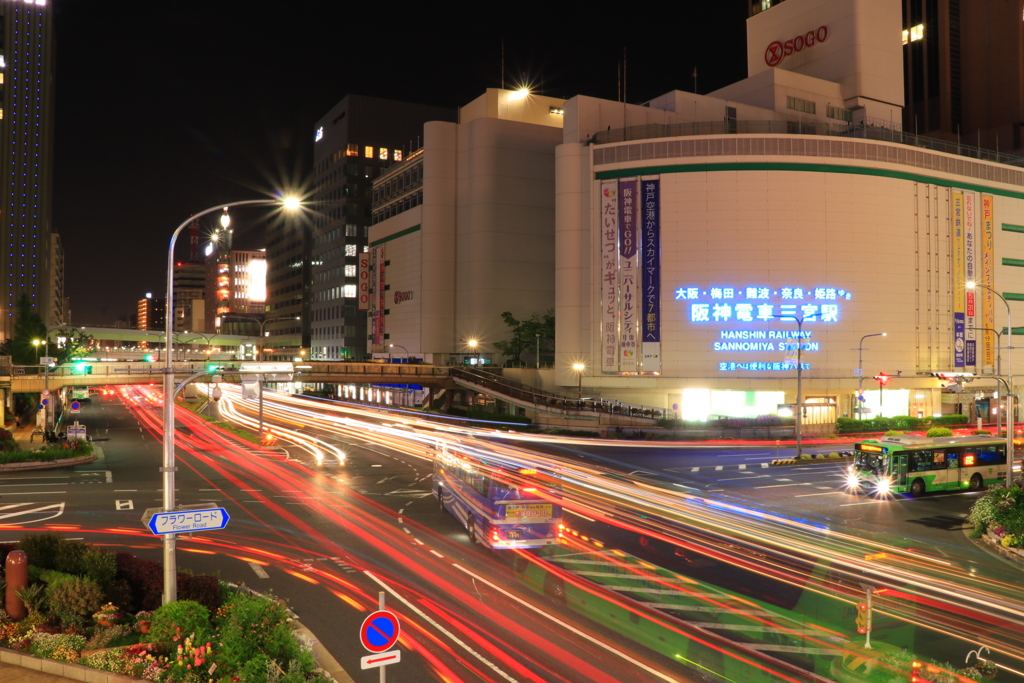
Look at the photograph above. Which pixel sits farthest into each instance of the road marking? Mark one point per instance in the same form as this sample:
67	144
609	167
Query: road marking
775	486
434	552
781	479
406	530
544	613
866	502
56	508
756	476
376	465
259	571
743	467
826	493
125	490
695	469
124	505
718	468
764	465
31	493
400	521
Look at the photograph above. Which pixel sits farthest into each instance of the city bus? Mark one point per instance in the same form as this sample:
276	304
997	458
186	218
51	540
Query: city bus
915	464
500	506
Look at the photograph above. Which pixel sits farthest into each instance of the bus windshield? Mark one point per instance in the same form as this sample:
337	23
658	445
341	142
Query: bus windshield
875	463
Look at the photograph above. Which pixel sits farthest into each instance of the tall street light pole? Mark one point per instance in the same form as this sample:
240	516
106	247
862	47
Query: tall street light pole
799	377
860	373
168	469
579	368
1011	409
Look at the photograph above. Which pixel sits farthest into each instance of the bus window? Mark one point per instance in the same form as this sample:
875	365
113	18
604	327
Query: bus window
990	455
921	461
954	461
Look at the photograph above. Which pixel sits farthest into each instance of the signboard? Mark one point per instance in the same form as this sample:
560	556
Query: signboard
959	282
629	290
382	659
528	511
650	271
988	263
970	275
609	278
778	50
379	631
185	520
76	431
76	406
271	372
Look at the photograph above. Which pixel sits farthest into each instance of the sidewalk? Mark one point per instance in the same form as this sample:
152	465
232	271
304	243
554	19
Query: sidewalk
9	673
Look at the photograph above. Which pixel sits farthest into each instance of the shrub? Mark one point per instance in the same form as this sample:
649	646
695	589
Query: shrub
42	549
99	565
145	579
71	601
950	420
175	621
982	432
251	625
68	556
939	431
894	432
200	588
60	646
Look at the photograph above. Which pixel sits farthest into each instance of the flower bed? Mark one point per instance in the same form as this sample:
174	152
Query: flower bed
1000	514
82	608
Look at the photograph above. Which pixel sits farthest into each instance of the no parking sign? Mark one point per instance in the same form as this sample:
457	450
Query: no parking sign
378	634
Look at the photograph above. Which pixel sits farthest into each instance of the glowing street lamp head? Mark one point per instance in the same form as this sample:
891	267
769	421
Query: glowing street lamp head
291	203
225	219
579	367
472	343
970	284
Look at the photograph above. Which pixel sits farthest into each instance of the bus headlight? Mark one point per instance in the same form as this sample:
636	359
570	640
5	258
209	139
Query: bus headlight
884	486
852	481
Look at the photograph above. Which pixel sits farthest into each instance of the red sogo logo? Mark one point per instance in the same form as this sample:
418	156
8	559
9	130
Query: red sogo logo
777	50
403	296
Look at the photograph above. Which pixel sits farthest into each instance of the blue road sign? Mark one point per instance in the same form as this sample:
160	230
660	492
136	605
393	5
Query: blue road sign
45	401
379	631
75	406
186	521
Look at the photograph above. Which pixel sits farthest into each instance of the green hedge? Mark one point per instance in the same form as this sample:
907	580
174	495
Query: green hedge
847	425
74	449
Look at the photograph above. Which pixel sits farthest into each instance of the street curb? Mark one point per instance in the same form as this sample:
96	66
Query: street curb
48	465
812	461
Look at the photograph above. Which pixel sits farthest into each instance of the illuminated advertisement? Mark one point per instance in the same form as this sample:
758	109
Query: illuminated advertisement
742	314
959	281
970	275
650	267
988	258
609	276
629	299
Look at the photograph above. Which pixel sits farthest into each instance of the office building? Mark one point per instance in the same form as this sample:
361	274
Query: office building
464	229
236	289
357	139
60	310
26	157
150	313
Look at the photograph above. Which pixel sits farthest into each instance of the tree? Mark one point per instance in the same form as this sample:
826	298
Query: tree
68	343
524	334
27	326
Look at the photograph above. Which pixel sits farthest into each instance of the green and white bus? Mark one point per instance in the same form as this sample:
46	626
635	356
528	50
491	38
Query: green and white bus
916	464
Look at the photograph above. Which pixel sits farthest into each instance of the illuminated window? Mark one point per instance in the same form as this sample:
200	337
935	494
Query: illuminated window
382	154
350	249
368	151
914	33
397	155
350	291
350	271
352	150
351	230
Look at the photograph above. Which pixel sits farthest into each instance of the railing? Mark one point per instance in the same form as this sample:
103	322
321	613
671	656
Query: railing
867	131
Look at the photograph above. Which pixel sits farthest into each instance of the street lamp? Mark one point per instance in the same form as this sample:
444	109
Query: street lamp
860	375
472	344
1011	409
999	365
36	343
403	348
169	468
799	377
579	368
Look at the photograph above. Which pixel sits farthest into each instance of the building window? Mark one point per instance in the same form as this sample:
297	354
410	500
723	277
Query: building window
804	106
351	230
838	113
913	33
350	291
350	271
396	155
352	150
368	151
351	249
382	154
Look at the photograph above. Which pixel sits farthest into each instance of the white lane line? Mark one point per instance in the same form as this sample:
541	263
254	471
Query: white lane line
418	541
719	468
581	515
866	502
826	493
434	552
124	505
600	643
775	486
743	467
125	490
764	465
781	479
455	639
400	521
40	484
695	469
259	571
823	488
748	478
32	493
376	465
406	530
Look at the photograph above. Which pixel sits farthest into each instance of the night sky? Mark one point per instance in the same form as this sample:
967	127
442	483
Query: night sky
165	109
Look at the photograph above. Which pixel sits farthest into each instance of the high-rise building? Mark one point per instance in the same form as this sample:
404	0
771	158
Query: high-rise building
236	286
189	286
313	270
60	312
26	153
151	313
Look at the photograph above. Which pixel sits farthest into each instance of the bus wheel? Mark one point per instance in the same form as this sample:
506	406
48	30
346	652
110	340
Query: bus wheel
917	488
471	528
440	498
977	483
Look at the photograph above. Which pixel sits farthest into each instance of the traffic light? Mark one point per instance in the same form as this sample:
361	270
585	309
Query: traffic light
863	618
148	358
882	379
82	368
212	368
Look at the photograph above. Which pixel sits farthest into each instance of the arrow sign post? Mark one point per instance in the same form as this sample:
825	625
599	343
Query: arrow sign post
185	521
379	632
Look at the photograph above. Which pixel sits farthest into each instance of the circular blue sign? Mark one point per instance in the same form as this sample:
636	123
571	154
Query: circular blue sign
75	405
379	631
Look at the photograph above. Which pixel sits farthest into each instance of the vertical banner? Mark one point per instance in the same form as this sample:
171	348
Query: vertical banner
364	281
629	290
609	276
959	281
970	275
650	263
377	300
988	269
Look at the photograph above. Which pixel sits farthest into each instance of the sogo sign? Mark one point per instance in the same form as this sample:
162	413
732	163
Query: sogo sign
777	50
